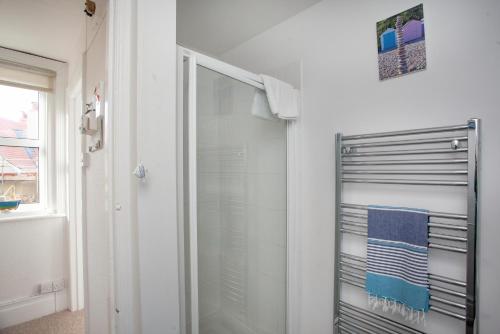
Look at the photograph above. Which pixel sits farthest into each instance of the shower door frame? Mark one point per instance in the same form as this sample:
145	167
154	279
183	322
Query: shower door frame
292	245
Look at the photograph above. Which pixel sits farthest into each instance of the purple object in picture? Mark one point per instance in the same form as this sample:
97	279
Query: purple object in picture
413	30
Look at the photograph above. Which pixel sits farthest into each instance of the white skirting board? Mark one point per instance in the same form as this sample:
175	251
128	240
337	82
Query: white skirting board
29	308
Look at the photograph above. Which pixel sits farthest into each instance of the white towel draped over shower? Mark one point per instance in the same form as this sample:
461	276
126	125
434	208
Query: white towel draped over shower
283	99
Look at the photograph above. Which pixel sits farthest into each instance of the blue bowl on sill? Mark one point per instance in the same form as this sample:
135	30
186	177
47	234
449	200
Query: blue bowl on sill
9	205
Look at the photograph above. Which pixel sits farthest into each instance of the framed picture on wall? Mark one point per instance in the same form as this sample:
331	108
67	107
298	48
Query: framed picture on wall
401	43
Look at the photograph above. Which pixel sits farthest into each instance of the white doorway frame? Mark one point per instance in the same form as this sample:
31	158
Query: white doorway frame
121	155
141	104
75	229
293	247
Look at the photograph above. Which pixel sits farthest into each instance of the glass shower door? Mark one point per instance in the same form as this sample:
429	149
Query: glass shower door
239	280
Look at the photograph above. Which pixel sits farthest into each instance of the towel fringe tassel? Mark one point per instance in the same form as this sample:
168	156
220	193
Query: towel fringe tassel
409	314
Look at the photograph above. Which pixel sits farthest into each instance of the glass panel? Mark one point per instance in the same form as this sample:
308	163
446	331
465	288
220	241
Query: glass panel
18	112
19	174
241	195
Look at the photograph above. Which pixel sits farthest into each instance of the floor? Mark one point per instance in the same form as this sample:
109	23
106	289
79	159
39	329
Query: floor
65	322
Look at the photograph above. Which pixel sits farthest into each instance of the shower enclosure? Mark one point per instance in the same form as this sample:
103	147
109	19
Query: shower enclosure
233	231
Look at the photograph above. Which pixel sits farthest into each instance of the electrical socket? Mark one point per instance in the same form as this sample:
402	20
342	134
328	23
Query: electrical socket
46	287
58	285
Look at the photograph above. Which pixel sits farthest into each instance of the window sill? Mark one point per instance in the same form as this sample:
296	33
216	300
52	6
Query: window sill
27	216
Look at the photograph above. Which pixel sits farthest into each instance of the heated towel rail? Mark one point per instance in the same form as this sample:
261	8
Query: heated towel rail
438	157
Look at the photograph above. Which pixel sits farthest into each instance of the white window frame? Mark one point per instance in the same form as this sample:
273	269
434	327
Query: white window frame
41	144
51	142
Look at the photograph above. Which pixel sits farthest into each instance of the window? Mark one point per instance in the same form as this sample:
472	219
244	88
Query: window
22	142
33	134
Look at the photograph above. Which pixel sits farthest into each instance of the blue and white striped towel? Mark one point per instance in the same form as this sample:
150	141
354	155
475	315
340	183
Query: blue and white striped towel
397	265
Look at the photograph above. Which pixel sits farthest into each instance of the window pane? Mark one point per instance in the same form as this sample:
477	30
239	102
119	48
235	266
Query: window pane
18	112
19	174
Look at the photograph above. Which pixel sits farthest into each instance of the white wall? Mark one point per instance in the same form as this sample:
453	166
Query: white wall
203	25
32	251
47	28
335	40
97	230
156	148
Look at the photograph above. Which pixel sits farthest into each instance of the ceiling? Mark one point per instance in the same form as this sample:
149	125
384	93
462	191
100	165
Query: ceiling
52	28
49	28
216	26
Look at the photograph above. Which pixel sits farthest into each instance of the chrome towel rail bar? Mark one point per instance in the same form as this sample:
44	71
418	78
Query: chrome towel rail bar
408	132
406	142
405	162
431	287
449	157
379	318
404	152
431	244
431	213
406	182
431	225
432	306
431	235
406	172
435	277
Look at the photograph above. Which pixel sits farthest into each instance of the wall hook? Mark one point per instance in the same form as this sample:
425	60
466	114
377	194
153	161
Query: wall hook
89	8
